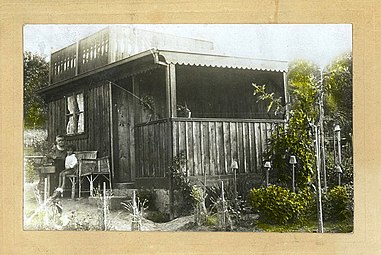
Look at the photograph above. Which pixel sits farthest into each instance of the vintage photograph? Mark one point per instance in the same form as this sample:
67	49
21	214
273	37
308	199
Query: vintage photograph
188	127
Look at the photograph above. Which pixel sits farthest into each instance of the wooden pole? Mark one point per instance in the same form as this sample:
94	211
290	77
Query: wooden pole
205	180
319	200
321	126
293	178
45	189
104	206
111	131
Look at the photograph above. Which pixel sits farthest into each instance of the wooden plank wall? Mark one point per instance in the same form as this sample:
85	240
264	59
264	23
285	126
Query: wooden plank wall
210	145
97	120
124	142
152	149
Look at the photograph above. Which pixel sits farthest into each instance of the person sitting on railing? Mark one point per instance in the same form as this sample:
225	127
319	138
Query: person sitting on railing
71	163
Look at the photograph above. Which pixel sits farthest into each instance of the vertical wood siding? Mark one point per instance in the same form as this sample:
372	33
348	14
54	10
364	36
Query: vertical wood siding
97	124
213	144
152	149
209	145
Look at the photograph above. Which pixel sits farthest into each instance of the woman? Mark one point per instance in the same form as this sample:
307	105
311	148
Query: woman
57	154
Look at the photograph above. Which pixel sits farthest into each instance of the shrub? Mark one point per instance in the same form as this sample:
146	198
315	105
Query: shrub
149	196
211	220
279	205
338	204
31	174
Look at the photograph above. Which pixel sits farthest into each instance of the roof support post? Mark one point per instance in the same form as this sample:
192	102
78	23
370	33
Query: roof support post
171	90
286	96
171	112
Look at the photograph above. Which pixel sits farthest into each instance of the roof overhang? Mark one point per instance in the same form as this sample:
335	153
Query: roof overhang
221	61
165	57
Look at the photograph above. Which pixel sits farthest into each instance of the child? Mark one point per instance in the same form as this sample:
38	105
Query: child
70	167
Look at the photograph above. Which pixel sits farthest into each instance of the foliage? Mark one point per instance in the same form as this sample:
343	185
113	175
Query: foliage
36	76
294	138
180	180
183	110
338	110
198	196
149	196
74	223
148	103
346	165
103	209
31	174
136	207
338	203
211	220
279	205
309	227
338	87
236	206
274	104
47	215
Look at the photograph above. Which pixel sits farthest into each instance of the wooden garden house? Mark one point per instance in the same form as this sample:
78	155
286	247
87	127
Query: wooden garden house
118	93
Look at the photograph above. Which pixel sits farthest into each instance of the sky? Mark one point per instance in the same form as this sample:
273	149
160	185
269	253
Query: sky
319	43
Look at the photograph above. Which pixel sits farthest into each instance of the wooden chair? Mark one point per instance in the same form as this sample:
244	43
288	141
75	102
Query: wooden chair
91	169
73	180
84	157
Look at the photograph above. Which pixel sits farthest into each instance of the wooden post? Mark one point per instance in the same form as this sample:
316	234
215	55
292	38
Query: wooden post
293	178
111	131
171	90
45	189
171	112
318	164
321	126
77	59
104	206
91	186
286	99
48	185
205	179
72	187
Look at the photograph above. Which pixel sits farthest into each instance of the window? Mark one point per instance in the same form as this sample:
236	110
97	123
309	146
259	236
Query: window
75	119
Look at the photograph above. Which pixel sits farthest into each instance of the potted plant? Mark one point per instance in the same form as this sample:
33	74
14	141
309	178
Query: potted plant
183	111
148	106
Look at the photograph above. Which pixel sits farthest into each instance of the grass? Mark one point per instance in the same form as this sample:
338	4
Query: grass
309	227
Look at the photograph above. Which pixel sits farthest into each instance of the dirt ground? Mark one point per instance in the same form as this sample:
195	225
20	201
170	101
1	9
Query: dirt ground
120	220
87	214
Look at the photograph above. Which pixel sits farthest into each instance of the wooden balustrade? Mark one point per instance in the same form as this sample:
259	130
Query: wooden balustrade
93	51
63	63
209	145
88	54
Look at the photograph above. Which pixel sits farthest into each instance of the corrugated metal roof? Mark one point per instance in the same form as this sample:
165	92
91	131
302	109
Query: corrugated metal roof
200	59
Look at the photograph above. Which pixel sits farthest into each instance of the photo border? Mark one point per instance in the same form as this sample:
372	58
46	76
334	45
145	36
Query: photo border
366	36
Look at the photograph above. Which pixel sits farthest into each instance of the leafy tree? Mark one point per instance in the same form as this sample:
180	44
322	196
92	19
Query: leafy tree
36	76
338	110
338	89
294	138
